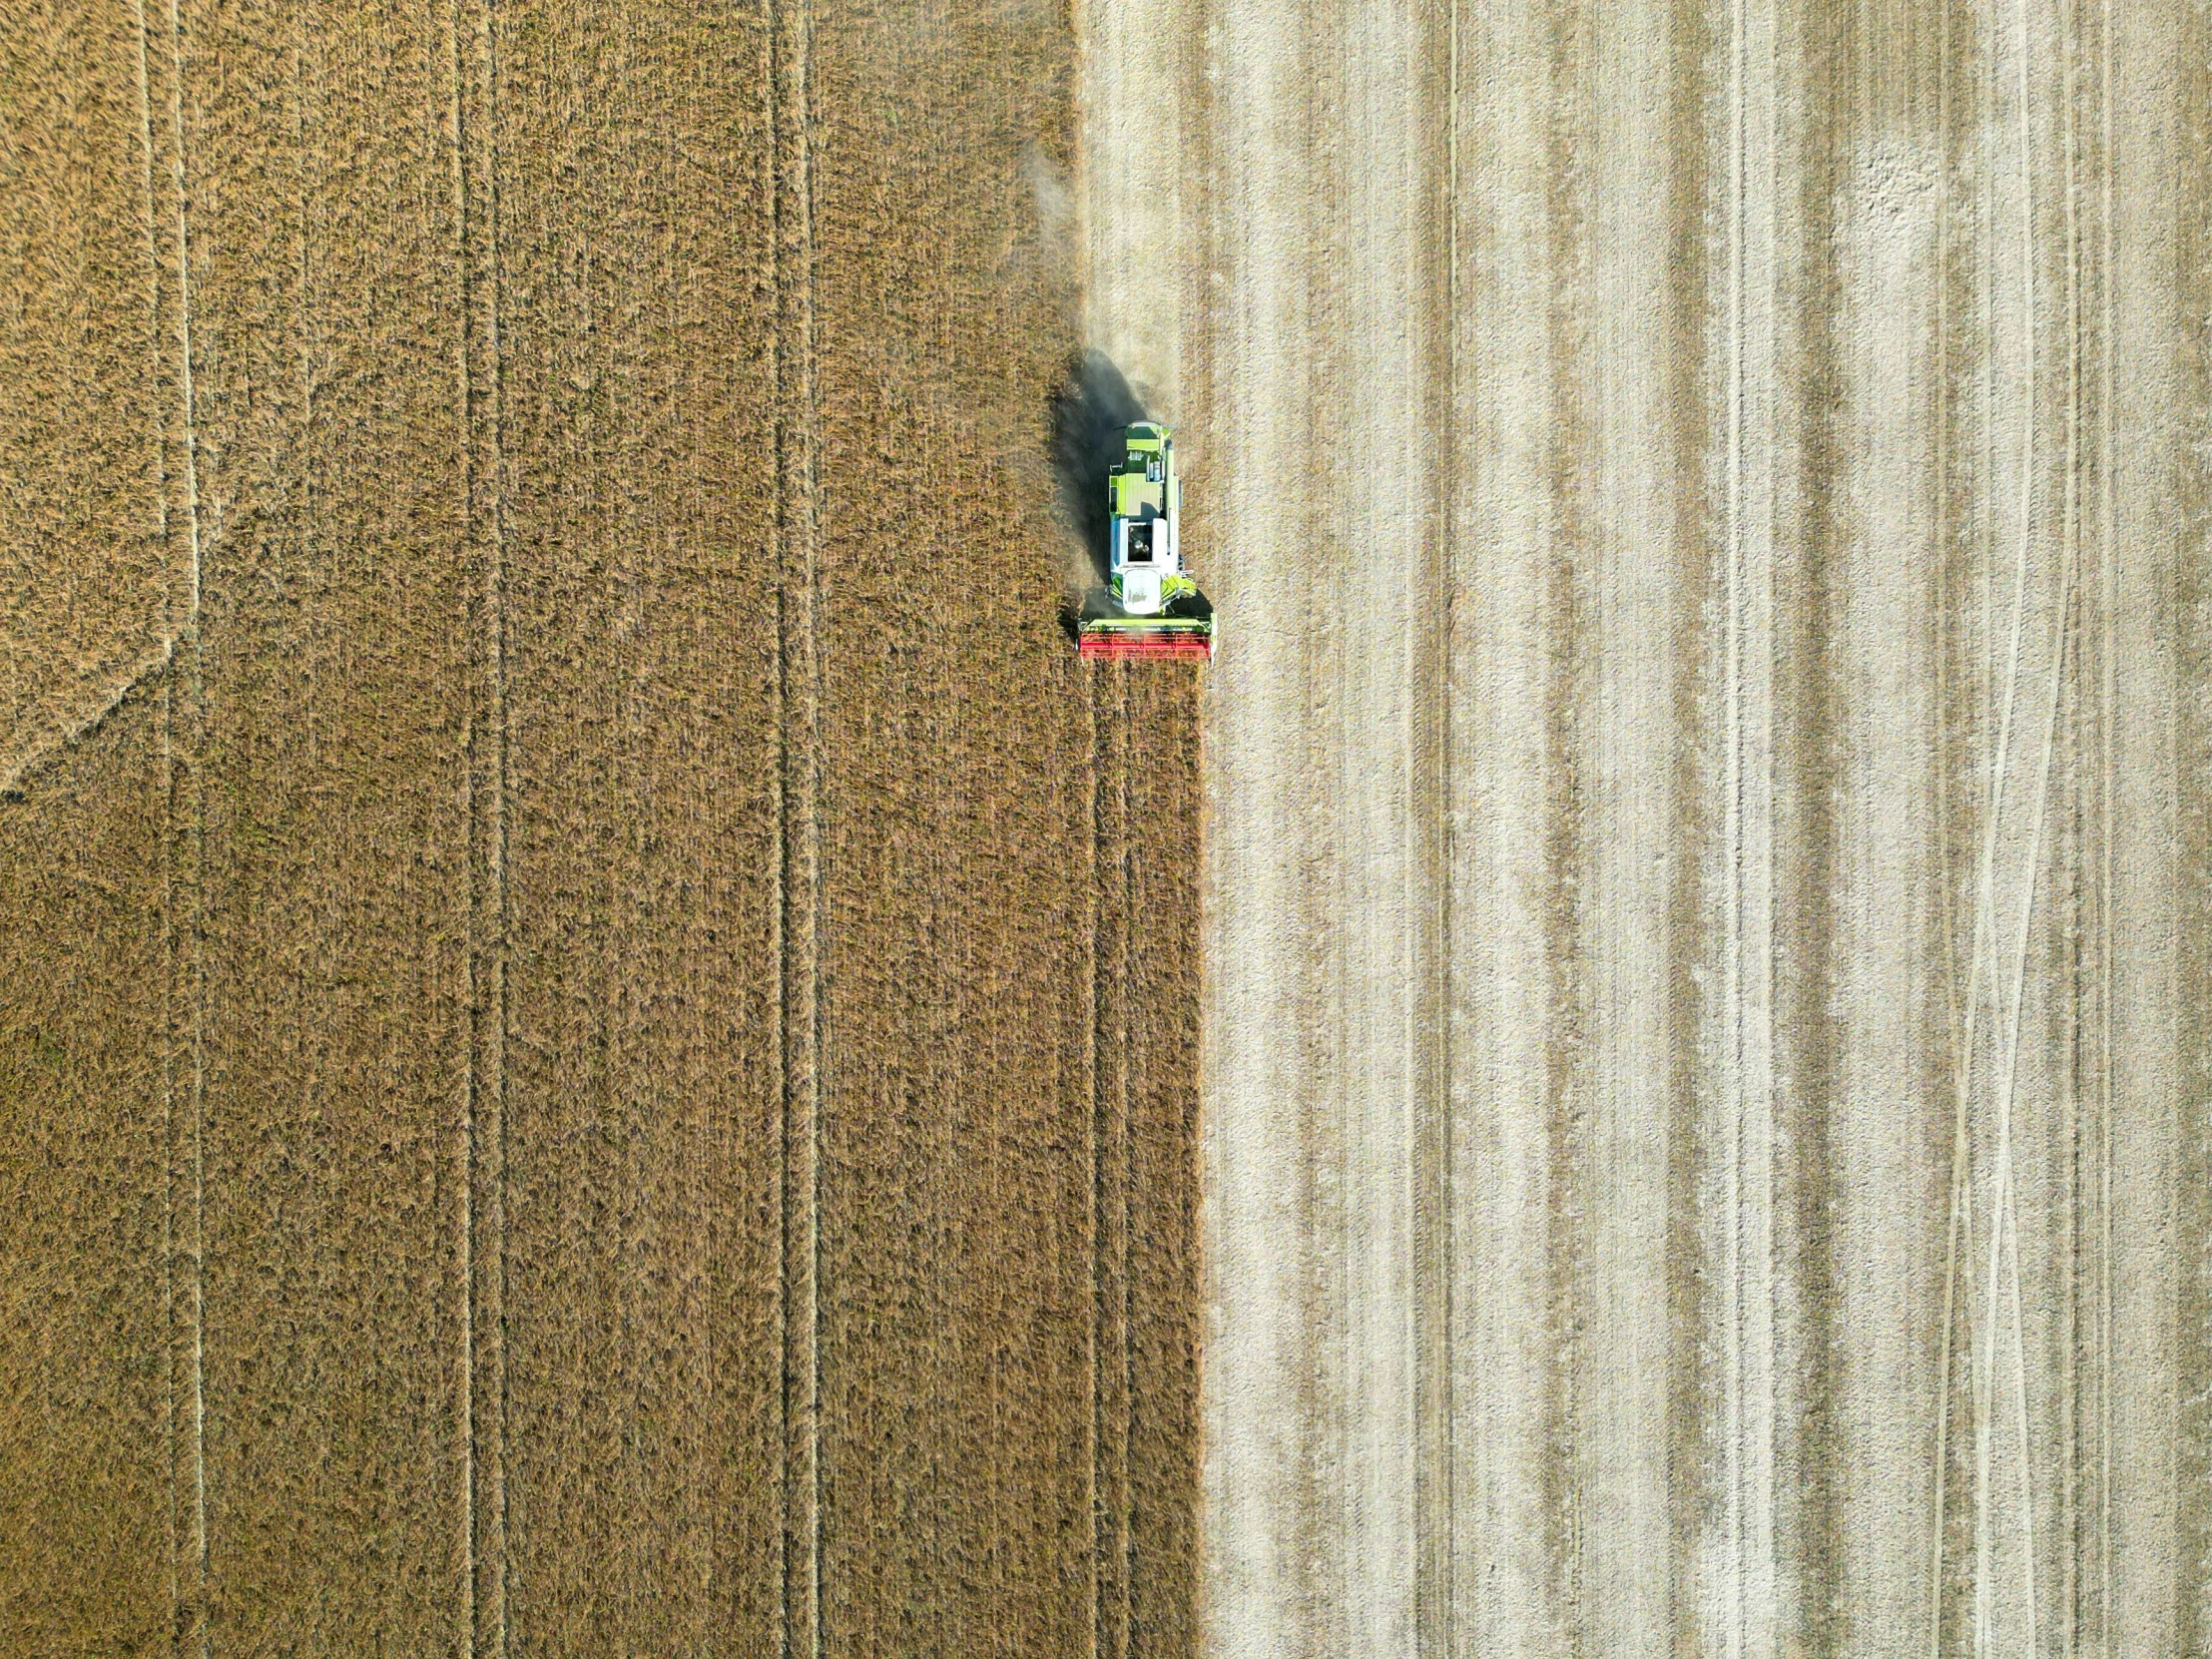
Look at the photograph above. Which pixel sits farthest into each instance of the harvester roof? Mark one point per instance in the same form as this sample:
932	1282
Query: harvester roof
1134	492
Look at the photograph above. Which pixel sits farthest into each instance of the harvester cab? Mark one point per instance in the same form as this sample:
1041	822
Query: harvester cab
1148	607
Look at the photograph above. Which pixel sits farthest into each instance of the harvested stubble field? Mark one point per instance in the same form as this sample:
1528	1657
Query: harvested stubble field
1709	1015
597	1022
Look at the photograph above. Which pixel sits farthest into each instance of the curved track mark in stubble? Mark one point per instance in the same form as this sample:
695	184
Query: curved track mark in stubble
798	882
1984	941
2003	1223
1961	1205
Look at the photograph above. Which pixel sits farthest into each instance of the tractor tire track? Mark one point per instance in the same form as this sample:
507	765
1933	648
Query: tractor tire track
798	786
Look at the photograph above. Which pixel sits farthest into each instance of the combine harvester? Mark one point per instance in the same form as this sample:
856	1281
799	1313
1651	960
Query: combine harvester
1148	607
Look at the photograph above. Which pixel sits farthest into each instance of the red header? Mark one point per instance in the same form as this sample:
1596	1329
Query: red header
1180	645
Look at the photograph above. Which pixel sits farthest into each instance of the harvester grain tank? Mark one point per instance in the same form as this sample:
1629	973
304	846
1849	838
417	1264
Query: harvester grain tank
1148	607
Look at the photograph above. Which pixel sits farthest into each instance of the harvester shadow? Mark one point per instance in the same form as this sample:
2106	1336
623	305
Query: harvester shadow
1093	403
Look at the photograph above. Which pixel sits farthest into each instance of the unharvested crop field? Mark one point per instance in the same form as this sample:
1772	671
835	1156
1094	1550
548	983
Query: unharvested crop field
607	1046
597	1022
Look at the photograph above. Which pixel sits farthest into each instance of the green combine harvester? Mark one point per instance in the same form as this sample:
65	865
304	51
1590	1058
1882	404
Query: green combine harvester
1148	607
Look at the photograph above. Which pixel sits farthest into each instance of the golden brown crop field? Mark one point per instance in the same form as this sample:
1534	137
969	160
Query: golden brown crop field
598	1021
608	1045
